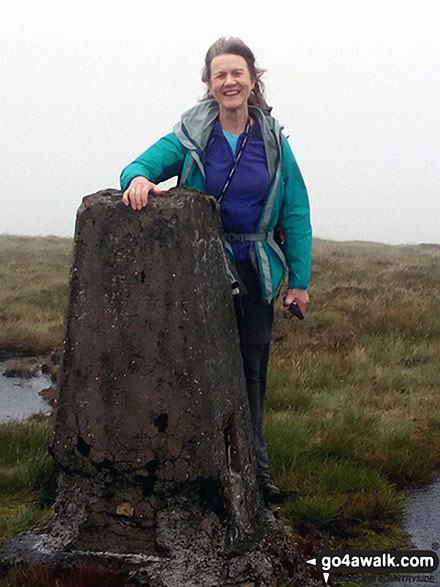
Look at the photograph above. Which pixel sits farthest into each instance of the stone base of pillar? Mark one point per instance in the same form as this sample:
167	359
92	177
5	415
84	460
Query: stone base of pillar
198	564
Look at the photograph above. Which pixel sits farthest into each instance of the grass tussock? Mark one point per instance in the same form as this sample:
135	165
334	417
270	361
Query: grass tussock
352	412
25	368
33	291
27	476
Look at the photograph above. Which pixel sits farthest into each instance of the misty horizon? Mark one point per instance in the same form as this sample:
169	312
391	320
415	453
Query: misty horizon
88	87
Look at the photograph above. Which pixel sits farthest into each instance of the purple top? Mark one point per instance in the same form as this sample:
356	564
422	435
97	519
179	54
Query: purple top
242	205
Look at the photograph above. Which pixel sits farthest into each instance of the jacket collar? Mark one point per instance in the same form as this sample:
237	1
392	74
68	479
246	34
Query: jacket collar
195	126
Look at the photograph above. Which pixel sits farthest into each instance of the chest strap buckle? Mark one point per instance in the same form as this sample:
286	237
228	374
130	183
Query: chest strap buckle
241	237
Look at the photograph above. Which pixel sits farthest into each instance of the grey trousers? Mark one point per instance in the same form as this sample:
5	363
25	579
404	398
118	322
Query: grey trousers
255	321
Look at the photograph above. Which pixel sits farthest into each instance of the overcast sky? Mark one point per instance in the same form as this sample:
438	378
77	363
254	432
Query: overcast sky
88	85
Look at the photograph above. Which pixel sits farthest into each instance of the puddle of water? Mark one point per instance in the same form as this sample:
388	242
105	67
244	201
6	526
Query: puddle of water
422	516
422	520
19	396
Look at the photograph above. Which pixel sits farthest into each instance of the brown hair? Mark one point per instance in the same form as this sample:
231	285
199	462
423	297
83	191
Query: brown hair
237	47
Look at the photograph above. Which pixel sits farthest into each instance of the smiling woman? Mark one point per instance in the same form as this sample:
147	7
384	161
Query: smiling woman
231	85
231	147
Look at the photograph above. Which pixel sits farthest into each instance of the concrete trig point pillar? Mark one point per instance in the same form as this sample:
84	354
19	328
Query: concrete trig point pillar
152	432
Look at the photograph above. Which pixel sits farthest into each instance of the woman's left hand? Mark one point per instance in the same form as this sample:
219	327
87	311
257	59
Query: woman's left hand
300	296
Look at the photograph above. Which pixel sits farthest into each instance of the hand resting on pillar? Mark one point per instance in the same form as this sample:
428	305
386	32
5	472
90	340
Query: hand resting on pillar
136	195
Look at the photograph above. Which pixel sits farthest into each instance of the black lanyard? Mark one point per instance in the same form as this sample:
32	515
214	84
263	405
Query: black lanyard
236	162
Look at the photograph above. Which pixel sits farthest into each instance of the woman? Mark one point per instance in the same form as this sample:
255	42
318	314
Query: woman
231	147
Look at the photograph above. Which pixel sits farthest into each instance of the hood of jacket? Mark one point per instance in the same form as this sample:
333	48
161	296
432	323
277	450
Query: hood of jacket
194	129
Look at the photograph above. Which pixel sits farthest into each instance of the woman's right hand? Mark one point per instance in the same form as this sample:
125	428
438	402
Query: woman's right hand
136	195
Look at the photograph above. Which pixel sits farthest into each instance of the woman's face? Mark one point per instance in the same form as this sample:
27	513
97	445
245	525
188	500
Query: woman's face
231	82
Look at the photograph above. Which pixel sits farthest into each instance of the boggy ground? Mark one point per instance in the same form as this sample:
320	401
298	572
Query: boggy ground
352	413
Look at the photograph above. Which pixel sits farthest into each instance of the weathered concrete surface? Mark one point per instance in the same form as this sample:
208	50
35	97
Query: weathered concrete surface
152	426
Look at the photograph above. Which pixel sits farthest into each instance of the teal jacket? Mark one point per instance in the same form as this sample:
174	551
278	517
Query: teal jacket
181	153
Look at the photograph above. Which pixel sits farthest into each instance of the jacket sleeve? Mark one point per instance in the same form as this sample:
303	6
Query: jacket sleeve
164	159
294	221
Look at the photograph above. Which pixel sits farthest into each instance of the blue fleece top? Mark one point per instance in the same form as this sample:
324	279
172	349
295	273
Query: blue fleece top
242	205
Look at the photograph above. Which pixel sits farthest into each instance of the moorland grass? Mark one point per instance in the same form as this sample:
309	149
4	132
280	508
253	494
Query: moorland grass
352	413
352	407
81	575
27	475
34	275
